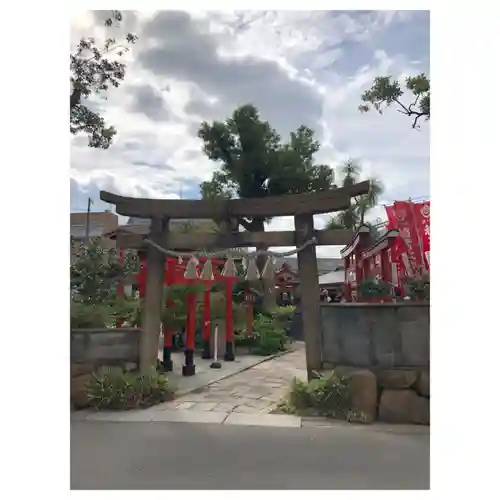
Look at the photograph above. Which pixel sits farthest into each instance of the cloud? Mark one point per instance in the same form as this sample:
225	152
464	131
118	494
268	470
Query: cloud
185	49
147	100
297	67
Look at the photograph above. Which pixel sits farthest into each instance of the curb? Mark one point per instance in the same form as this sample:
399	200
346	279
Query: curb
401	429
248	420
195	417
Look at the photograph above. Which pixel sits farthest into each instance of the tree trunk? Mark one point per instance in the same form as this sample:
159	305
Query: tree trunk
74	98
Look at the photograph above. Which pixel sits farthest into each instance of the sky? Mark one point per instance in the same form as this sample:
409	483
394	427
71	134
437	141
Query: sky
297	67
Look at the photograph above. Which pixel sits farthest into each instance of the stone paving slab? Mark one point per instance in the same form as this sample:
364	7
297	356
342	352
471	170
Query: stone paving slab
205	375
263	420
189	416
256	390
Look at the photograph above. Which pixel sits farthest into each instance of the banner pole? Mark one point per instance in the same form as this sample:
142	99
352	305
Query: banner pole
419	239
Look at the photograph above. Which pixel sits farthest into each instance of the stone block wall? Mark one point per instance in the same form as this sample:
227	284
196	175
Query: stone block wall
94	349
383	351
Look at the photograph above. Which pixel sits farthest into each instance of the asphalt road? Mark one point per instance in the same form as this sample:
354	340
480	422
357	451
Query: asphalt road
128	456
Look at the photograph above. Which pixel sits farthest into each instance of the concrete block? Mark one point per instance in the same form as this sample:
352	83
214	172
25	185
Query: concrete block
190	416
263	420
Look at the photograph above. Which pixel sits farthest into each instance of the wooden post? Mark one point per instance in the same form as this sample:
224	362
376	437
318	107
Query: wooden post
155	272
229	352
189	369
120	289
167	329
308	273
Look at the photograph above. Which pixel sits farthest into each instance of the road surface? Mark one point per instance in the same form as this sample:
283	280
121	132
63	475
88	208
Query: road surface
162	455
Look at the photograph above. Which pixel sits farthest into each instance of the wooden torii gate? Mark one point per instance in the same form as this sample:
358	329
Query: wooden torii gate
228	213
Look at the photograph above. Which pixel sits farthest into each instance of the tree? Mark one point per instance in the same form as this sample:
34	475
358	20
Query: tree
93	72
254	163
95	273
387	91
355	215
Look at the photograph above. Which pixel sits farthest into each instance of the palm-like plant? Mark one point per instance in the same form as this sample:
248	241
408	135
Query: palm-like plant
354	216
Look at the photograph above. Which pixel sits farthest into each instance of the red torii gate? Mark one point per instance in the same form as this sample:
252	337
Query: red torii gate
175	269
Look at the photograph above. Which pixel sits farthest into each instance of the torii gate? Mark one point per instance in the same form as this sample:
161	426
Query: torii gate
301	206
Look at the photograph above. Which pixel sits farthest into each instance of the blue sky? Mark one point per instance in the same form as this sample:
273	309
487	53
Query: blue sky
298	67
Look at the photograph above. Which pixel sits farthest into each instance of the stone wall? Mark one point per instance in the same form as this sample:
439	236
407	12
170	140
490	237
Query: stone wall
383	350
93	349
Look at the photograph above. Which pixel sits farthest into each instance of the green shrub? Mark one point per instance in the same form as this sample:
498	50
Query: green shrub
418	288
269	337
374	288
84	315
284	313
329	394
114	390
326	395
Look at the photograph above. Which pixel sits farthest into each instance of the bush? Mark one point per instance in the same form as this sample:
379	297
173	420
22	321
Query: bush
372	288
417	288
269	337
326	395
282	316
114	390
89	315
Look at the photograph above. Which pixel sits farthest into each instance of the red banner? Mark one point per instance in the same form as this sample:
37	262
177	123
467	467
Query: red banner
409	234
391	218
422	220
412	220
395	252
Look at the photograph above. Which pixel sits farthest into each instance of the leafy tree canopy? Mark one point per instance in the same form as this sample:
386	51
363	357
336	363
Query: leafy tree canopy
386	91
93	70
255	163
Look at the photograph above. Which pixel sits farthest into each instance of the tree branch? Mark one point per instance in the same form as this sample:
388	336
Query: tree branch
414	103
409	112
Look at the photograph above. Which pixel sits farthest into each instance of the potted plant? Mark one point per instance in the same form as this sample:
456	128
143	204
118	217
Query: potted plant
418	289
374	290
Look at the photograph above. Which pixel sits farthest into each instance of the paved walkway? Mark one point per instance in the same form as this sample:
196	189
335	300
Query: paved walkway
255	390
206	375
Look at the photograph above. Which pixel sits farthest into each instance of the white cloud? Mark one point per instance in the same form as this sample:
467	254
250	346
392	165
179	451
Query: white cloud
297	67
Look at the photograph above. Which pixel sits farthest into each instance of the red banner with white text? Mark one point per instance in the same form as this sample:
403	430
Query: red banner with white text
422	220
412	250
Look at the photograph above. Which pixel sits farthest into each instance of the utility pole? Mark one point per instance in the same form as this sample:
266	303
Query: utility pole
87	222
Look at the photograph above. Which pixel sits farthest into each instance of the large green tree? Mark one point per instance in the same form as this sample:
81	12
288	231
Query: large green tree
254	162
94	69
386	91
355	215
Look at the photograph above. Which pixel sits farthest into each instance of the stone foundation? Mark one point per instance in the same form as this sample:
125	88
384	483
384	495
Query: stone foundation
395	396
